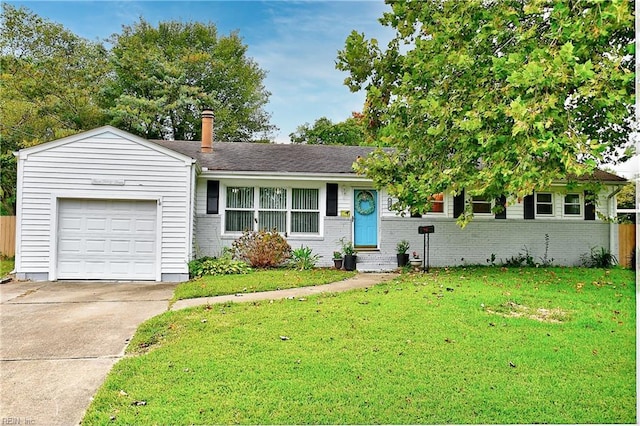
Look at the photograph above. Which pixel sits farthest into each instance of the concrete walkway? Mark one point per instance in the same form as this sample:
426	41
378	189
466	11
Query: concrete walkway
361	280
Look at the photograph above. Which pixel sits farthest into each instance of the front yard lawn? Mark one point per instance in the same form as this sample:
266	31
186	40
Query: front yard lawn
260	280
464	345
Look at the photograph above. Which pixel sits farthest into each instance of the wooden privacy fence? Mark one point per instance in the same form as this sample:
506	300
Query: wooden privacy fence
626	243
7	236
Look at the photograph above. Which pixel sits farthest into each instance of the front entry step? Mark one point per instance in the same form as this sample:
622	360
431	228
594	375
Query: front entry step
374	261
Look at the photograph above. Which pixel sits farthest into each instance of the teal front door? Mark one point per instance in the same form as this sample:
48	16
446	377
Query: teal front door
365	216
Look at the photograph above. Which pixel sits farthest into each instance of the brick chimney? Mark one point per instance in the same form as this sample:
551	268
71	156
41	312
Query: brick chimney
206	145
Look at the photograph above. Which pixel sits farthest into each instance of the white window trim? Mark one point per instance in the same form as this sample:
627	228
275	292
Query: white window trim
580	204
553	206
290	212
256	208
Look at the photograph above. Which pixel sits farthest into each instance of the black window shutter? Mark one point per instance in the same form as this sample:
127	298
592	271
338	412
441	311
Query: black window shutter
458	204
530	207
213	196
502	201
332	199
589	206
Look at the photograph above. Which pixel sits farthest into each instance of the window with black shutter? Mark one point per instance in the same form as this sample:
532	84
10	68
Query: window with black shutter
458	204
332	199
589	206
213	196
530	207
502	201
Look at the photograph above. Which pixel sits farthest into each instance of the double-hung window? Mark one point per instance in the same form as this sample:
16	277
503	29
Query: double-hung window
305	213
572	205
287	210
239	211
544	204
272	212
437	203
481	204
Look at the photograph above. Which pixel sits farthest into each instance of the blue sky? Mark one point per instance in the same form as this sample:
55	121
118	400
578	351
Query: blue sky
296	42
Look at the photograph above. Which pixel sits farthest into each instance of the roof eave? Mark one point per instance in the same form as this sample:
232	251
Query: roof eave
343	177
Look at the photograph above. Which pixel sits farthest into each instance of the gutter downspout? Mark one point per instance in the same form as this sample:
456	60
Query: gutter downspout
17	266
191	211
613	234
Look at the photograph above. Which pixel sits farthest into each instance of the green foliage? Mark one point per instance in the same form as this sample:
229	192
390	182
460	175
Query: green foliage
347	247
164	76
50	79
545	260
153	82
522	259
497	98
598	258
402	246
262	249
514	346
303	258
337	255
6	266
217	266
627	196
325	132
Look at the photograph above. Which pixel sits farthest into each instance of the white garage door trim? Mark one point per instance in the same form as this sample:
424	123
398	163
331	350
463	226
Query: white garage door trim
120	243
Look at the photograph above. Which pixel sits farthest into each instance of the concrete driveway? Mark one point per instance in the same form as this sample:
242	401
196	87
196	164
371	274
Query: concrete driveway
59	340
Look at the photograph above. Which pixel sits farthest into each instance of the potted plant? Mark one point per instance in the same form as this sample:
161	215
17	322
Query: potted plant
337	260
402	255
349	255
415	260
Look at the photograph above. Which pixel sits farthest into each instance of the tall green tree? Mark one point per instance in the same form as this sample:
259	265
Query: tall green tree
48	87
628	197
164	76
324	132
494	97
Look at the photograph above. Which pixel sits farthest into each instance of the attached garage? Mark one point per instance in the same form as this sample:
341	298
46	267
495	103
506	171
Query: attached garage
104	205
107	239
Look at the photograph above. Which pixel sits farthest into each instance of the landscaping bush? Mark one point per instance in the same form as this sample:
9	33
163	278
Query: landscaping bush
303	258
214	266
598	258
262	249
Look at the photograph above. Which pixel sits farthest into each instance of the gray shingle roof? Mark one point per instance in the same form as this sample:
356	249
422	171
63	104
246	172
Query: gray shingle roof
264	157
293	158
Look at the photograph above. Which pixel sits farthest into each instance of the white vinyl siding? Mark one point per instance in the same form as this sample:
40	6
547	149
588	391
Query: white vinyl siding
104	164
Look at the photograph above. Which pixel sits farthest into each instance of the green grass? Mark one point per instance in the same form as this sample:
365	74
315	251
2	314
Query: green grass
444	347
6	266
261	280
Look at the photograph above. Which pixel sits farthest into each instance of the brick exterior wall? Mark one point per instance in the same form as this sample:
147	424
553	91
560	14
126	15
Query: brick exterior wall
449	245
474	244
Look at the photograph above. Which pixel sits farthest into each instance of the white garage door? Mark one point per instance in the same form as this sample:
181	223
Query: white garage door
107	239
